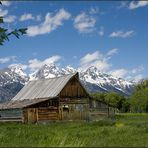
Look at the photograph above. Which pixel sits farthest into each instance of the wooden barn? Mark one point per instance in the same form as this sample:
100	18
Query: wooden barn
60	98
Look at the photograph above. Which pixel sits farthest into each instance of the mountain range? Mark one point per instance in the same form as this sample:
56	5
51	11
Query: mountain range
12	79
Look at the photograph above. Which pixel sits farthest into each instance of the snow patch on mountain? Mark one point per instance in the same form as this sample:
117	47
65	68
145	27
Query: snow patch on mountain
92	76
12	79
45	72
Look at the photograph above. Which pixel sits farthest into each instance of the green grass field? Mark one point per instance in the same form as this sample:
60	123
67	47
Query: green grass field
125	130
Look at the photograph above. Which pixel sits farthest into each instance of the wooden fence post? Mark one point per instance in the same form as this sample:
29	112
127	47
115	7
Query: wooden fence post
36	114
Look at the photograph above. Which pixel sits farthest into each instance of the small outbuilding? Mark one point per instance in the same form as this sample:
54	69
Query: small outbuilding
60	98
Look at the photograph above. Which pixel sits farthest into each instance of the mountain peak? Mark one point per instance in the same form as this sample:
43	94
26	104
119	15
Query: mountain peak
92	69
70	69
17	69
46	71
49	66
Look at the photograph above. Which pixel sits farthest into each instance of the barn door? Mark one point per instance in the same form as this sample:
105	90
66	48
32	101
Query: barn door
70	113
32	116
74	112
65	112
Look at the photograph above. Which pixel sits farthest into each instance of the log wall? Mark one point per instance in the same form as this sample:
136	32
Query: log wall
45	114
33	115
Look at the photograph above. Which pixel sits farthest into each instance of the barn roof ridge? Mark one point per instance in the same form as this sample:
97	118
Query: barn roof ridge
72	74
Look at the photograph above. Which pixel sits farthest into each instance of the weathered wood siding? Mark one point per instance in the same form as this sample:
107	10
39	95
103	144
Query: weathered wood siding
73	89
100	110
75	99
74	109
72	104
32	115
25	115
29	115
45	114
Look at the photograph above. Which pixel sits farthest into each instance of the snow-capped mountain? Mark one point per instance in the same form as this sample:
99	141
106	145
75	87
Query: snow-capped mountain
92	79
68	69
46	71
14	78
51	71
10	83
18	70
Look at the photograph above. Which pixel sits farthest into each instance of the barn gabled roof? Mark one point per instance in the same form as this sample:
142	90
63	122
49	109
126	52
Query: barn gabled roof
39	90
47	88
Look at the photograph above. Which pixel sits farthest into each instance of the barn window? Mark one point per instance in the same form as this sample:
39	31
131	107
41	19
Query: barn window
65	108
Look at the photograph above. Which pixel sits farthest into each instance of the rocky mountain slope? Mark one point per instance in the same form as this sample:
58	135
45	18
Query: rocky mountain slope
12	79
10	83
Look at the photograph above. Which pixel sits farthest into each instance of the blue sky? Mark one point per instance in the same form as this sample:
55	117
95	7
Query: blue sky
113	36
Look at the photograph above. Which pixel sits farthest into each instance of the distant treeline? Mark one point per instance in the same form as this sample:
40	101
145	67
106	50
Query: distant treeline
137	102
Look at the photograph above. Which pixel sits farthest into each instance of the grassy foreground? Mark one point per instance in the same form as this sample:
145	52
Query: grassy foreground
125	130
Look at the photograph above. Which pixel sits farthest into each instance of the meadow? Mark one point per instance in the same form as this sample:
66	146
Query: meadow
125	130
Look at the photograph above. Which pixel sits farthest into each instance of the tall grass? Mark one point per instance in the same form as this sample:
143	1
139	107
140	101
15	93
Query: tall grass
122	131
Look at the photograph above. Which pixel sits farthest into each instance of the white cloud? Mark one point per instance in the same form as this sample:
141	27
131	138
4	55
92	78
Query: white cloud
112	52
24	67
10	19
101	31
26	16
96	59
4	60
51	23
29	16
35	64
137	70
84	23
122	34
6	3
94	10
137	4
7	59
103	65
3	12
128	74
90	57
120	73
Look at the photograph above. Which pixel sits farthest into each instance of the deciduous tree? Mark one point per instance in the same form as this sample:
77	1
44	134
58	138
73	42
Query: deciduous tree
139	98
